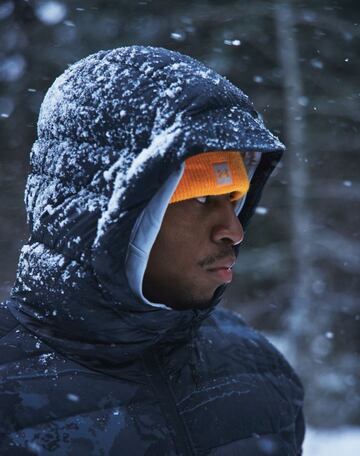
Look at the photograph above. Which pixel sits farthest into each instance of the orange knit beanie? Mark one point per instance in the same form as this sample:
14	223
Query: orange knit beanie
213	173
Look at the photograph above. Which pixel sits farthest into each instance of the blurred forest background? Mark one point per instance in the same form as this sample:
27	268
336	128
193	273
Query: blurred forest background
297	276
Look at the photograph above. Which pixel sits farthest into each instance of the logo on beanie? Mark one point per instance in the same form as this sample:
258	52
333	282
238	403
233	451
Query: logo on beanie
222	173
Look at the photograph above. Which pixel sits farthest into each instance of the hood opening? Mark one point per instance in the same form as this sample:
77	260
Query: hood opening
147	226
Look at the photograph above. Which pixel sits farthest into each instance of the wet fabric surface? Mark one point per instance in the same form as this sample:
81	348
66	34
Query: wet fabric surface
232	386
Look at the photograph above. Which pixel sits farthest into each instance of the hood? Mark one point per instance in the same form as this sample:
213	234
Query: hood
113	133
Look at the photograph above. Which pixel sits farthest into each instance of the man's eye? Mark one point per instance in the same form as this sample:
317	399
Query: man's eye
201	199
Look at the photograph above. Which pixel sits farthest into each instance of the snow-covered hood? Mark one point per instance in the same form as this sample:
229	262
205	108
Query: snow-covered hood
113	132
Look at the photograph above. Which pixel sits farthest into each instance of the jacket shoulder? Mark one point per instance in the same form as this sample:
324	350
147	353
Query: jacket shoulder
244	346
252	387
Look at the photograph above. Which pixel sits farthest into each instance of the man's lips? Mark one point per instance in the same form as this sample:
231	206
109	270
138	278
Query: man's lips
226	263
222	270
222	275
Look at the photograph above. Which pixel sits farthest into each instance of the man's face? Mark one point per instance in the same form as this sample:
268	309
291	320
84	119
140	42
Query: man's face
193	252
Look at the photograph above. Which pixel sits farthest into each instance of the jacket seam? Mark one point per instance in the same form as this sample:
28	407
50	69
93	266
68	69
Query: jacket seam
172	428
10	330
177	411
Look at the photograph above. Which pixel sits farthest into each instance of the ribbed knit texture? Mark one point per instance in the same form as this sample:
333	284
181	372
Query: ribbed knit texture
213	173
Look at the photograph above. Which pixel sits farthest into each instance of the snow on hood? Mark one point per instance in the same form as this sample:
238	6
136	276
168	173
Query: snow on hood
112	130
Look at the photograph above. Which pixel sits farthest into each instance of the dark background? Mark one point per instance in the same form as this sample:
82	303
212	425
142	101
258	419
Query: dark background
297	272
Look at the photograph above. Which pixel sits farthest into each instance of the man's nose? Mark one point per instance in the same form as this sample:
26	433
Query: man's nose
228	227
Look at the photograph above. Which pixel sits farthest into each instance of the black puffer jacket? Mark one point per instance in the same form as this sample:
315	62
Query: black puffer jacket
87	366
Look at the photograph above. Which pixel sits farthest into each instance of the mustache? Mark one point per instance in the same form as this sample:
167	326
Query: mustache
209	260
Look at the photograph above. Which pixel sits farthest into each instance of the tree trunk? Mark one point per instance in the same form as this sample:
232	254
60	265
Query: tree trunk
299	313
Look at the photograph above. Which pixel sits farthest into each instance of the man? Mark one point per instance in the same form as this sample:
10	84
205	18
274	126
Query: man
147	168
